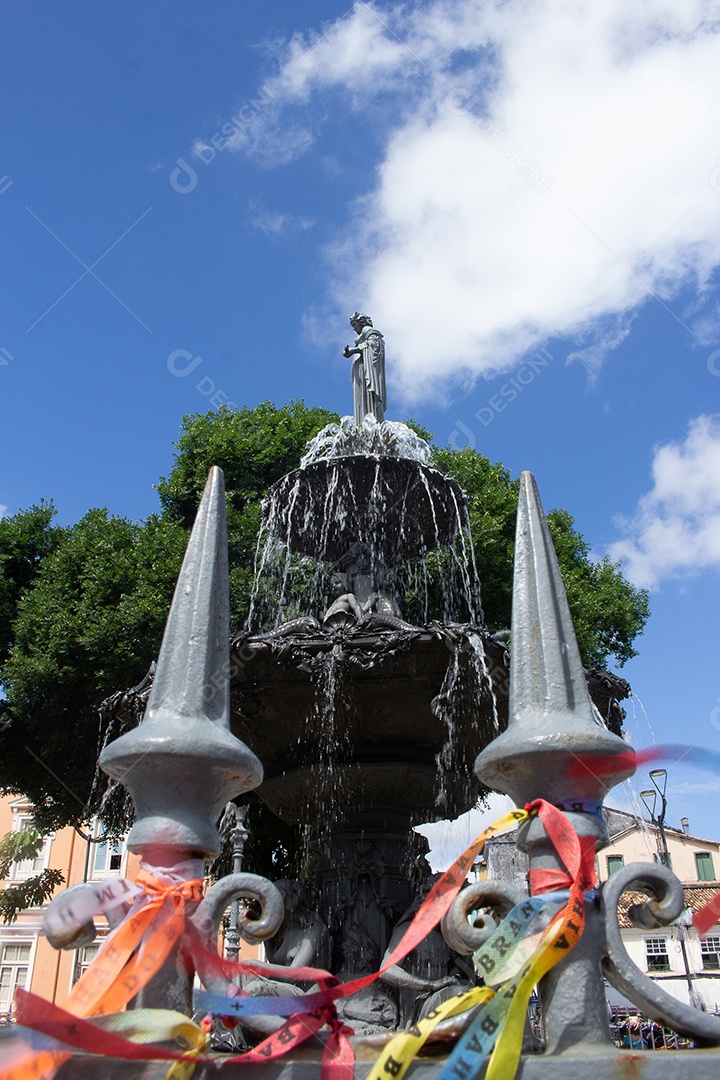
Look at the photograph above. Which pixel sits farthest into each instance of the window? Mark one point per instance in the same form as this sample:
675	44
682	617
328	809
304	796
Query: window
704	866
27	868
83	959
106	856
657	954
710	952
614	863
14	969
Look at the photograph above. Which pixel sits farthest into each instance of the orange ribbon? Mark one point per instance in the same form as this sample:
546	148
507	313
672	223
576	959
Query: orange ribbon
125	963
120	968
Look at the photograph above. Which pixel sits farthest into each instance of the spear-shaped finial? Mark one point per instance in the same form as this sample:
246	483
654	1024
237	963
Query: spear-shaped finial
182	764
553	723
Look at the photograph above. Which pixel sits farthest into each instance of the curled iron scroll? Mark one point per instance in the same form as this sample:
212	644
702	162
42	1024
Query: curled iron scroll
665	903
66	929
465	936
254	928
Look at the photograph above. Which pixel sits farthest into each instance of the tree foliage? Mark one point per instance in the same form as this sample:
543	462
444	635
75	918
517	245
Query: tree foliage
33	891
89	624
254	448
26	539
609	613
82	608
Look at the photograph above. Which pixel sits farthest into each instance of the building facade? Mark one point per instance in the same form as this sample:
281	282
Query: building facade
27	960
686	965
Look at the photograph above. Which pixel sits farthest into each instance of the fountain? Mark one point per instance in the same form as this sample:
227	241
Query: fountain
366	722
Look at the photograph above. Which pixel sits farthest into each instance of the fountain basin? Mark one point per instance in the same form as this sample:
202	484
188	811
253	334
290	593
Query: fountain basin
399	507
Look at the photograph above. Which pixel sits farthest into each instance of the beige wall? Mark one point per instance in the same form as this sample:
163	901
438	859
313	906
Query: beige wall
51	972
640	845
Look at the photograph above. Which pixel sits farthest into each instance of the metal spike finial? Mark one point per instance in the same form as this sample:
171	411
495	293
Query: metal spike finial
548	677
182	764
191	678
552	721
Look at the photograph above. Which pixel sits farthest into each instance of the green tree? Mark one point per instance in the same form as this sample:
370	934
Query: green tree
82	609
608	611
26	538
89	624
254	448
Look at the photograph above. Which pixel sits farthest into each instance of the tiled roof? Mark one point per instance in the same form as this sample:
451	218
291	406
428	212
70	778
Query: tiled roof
696	896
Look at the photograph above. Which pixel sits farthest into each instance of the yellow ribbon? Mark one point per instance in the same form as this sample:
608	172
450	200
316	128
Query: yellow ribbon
398	1055
161	1026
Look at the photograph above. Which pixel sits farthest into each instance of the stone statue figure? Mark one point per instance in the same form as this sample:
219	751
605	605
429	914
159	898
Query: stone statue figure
384	602
345	609
368	369
373	1007
302	941
430	974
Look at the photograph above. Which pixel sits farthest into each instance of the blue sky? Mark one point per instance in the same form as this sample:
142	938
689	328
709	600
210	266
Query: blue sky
527	201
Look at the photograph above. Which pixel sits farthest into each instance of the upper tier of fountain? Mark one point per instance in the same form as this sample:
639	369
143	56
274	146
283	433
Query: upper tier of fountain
370	485
388	438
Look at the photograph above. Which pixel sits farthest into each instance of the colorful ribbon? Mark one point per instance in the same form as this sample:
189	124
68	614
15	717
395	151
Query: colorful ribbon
498	1029
600	765
127	960
512	961
139	946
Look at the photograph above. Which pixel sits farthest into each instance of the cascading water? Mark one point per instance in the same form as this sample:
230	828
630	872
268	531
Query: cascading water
363	549
368	489
326	728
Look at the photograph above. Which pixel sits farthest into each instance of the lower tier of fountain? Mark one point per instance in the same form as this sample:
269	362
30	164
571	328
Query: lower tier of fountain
368	726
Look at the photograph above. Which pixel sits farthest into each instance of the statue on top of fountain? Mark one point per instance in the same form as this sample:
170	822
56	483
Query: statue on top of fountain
368	369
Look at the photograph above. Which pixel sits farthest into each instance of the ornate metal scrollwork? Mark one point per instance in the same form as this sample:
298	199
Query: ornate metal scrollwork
464	936
664	906
254	928
62	927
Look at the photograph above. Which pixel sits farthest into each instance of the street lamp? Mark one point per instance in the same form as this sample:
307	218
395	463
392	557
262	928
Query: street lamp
683	923
659	779
235	818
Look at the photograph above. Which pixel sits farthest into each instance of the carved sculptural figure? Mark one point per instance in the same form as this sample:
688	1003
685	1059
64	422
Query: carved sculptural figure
368	369
345	609
383	602
430	974
303	941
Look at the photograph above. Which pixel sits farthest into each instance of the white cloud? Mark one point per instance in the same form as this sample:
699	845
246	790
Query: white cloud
546	168
676	529
275	222
3	510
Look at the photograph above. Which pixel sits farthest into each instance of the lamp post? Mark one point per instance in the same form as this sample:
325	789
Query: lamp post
239	837
684	922
659	779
